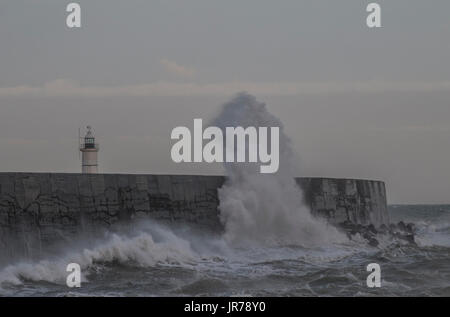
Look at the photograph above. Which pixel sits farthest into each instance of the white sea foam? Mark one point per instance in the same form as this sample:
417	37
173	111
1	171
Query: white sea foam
141	249
433	234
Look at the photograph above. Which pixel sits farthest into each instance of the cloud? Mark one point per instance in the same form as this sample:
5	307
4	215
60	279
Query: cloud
175	69
70	88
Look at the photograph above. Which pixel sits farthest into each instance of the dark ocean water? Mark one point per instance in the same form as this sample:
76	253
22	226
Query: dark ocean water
154	260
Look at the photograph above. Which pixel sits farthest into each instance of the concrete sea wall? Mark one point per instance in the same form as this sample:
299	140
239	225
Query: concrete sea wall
36	208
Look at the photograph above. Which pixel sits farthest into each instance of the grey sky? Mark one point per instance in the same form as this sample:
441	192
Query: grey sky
357	102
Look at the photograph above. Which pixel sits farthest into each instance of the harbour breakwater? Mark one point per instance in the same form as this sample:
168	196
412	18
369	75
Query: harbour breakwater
40	208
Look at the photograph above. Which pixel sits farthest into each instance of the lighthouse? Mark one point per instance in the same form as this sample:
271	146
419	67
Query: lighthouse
89	153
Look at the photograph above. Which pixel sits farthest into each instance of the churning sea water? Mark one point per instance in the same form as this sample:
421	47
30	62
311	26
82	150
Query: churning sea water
156	260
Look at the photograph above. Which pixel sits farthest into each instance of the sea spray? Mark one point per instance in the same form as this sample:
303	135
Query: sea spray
150	245
266	209
212	269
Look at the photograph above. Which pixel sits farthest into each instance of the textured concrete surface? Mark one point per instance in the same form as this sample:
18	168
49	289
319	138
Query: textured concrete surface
37	208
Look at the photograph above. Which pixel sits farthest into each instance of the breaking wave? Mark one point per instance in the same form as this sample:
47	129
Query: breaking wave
266	208
153	246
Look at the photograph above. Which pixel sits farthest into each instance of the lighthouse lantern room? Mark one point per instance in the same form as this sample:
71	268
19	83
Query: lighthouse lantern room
89	153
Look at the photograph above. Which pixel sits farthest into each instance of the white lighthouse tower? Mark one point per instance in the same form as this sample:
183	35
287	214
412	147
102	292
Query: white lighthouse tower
89	153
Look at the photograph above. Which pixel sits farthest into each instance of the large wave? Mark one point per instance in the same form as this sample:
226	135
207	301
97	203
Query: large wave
266	208
150	245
